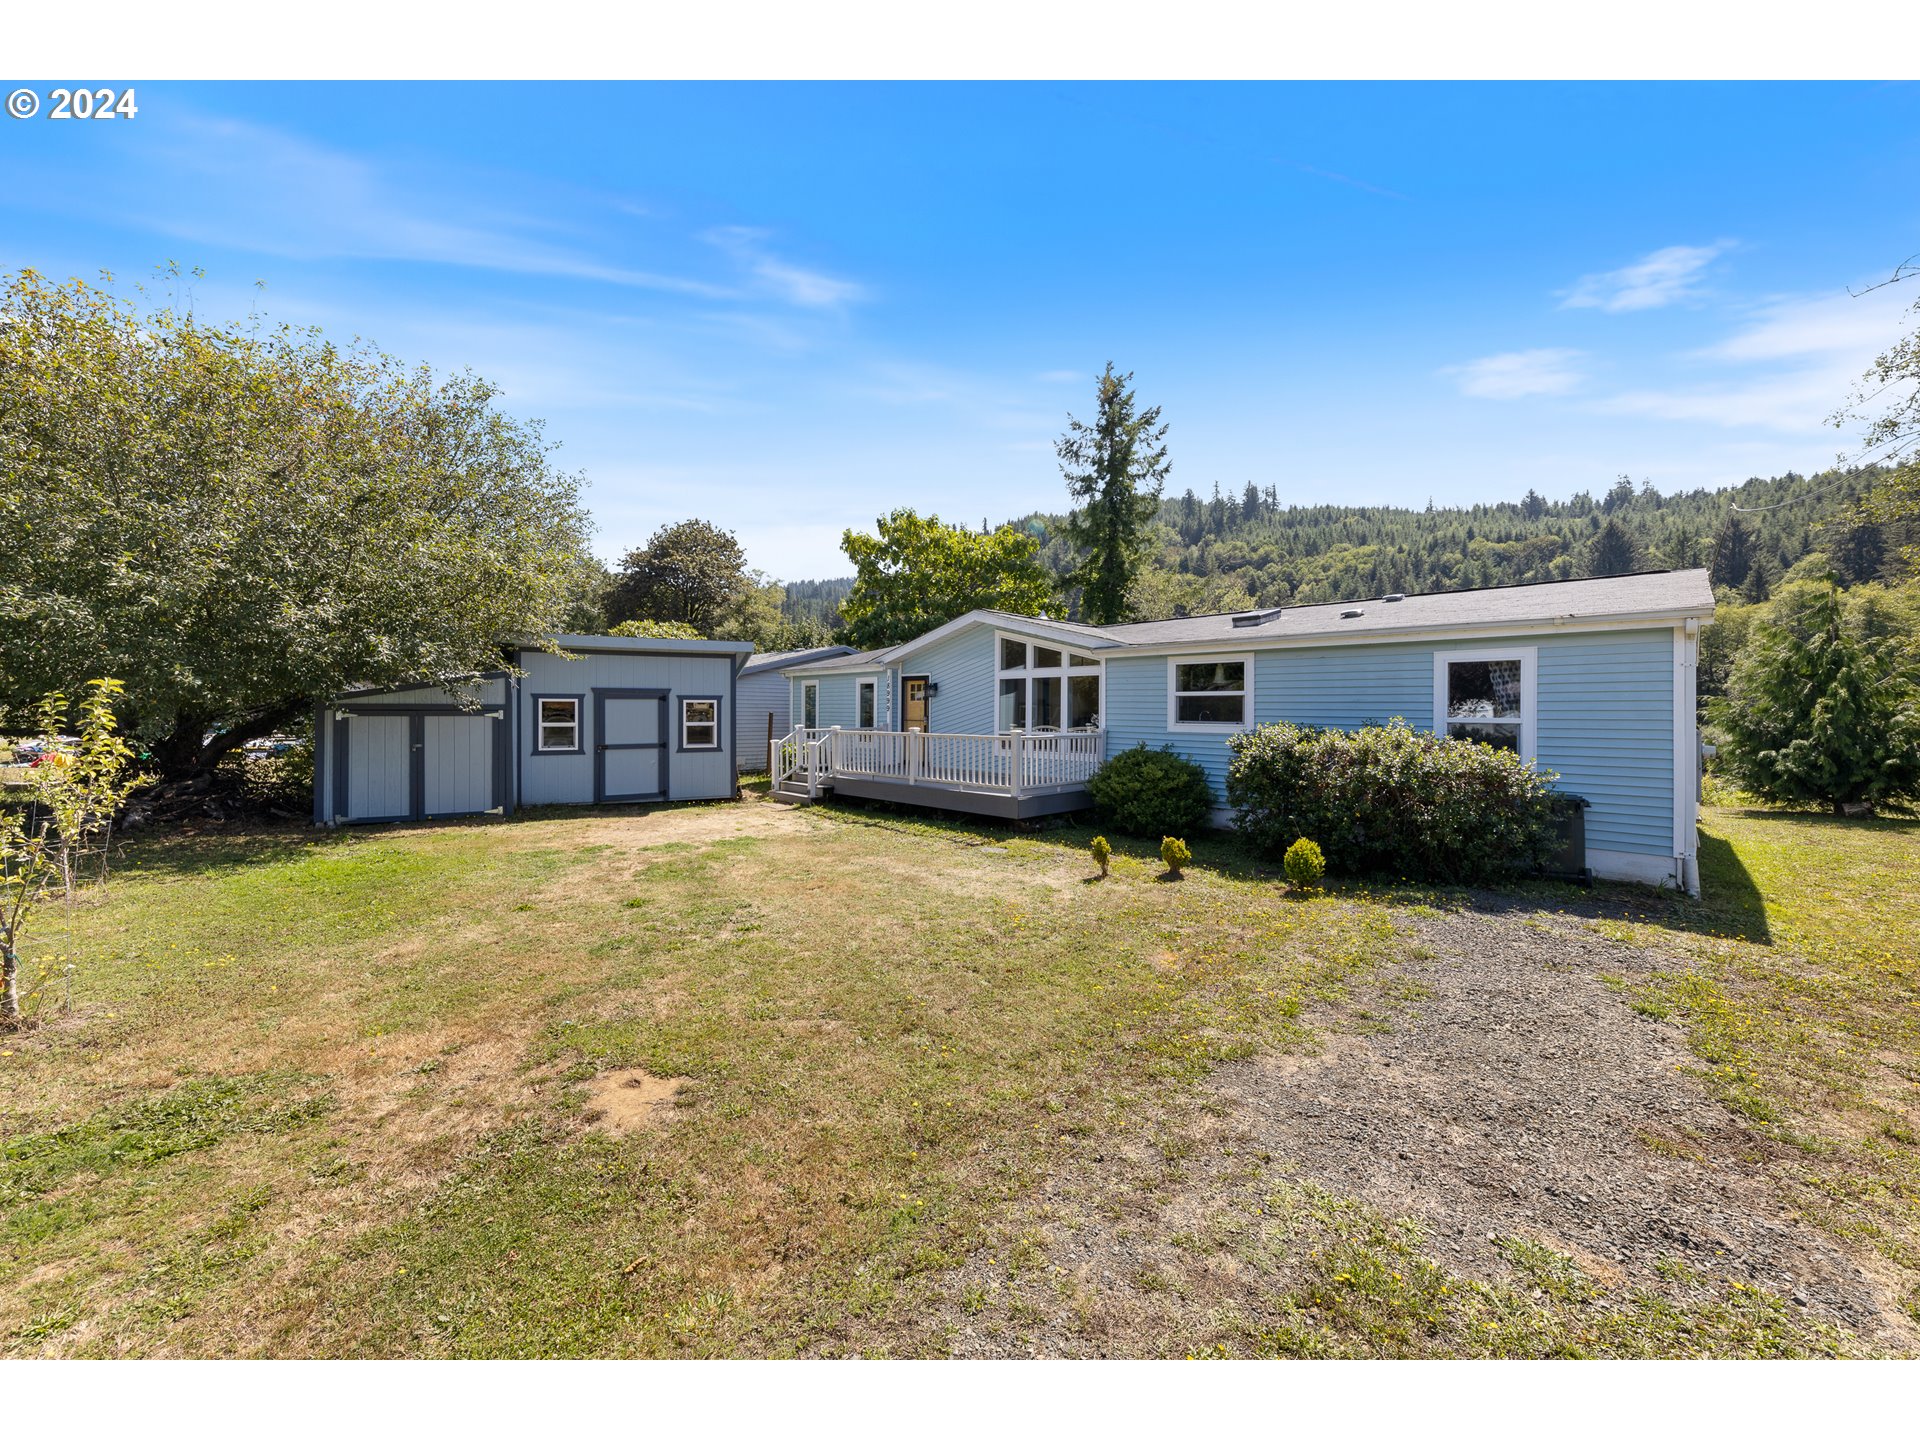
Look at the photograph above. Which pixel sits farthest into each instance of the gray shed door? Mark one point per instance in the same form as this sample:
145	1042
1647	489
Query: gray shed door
459	765
630	758
379	767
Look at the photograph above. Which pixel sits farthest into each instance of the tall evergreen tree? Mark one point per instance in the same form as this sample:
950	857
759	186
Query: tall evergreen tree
1614	551
1114	470
1811	715
1732	552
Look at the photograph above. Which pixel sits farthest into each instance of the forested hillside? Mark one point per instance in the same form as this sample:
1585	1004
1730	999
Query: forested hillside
1226	552
1221	553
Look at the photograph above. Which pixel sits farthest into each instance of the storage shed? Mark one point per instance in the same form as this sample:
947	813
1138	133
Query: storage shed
765	703
607	720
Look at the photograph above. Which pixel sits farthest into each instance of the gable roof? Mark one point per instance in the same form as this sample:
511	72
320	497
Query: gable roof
781	659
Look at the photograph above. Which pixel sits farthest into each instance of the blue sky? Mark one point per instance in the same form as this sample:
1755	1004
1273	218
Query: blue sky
787	308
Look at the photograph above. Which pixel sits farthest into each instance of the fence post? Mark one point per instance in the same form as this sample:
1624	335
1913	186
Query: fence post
1019	763
914	754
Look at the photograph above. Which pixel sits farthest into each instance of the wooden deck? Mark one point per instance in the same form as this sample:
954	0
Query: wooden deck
1011	777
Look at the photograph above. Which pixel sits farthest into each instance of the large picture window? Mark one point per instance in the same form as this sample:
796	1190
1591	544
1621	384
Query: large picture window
1210	694
1044	688
1486	695
557	725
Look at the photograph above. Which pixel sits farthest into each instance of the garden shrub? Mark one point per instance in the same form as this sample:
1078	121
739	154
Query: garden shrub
1102	853
1174	854
1392	799
1304	863
1151	792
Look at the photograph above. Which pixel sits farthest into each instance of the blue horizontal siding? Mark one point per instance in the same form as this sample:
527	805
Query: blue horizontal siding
1606	725
1605	720
962	667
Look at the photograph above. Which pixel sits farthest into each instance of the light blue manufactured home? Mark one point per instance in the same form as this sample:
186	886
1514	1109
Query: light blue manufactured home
1008	715
603	720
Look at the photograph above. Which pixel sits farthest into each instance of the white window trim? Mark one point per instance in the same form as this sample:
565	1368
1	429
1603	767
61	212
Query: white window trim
685	701
1529	658
1062	672
1194	727
540	724
872	684
805	687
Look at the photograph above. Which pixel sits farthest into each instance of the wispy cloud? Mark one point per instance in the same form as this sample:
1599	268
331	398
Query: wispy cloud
1665	277
795	284
234	184
1789	368
1517	374
1062	377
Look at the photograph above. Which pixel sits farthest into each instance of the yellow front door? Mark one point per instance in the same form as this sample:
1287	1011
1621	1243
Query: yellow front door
914	710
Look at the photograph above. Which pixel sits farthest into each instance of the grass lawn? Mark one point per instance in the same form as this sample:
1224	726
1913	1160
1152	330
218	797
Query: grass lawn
347	1094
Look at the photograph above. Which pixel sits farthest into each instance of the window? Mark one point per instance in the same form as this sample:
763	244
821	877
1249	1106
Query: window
1038	688
559	724
810	704
866	704
699	724
1012	714
1083	702
1046	702
1486	695
1209	693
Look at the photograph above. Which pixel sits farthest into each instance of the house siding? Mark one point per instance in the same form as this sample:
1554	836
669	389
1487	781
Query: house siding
1604	723
762	696
962	667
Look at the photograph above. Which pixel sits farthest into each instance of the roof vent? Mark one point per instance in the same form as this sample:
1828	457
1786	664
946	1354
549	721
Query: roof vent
1351	614
1392	599
1254	617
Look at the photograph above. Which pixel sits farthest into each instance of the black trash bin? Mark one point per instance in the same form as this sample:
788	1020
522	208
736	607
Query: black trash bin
1569	858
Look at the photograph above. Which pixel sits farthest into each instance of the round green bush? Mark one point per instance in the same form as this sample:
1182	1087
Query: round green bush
1151	792
1304	863
1393	800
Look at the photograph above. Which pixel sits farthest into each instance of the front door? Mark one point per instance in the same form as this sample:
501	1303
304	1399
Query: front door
914	702
630	745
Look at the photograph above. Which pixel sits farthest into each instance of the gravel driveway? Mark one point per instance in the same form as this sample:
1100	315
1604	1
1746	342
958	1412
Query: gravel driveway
1507	1091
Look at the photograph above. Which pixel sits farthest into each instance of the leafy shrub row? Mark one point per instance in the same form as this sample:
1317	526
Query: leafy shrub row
1392	799
1151	792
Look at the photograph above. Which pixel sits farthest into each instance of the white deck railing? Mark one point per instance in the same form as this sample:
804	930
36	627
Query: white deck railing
1021	763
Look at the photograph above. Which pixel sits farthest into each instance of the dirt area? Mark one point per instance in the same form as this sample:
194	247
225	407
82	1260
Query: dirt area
623	1102
1494	1087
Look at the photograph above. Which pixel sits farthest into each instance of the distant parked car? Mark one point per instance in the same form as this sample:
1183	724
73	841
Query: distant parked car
268	745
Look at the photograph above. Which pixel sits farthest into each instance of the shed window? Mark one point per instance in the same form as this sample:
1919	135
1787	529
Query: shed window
560	724
699	724
1210	692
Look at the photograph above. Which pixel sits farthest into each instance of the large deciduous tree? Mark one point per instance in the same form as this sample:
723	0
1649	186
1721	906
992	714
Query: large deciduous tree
693	573
918	572
1819	709
238	520
1114	469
